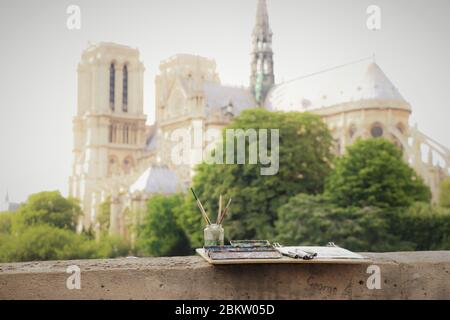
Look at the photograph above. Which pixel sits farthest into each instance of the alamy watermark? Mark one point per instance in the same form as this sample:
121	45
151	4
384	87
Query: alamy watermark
195	145
74	280
374	280
73	21
374	18
373	21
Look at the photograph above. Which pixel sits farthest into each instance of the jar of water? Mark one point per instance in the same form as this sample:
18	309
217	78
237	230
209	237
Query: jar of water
214	235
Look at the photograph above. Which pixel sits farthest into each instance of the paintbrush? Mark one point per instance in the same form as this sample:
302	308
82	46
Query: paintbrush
200	206
225	211
219	213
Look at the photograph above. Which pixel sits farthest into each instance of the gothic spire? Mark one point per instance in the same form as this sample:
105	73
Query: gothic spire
262	77
262	20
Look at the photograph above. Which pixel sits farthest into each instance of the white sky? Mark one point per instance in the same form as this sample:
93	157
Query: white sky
39	57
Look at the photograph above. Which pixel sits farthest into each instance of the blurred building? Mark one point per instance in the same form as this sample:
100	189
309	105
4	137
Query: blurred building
118	157
7	206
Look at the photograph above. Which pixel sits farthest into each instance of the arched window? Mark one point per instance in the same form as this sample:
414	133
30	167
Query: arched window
125	89
112	83
266	67
377	130
113	165
128	164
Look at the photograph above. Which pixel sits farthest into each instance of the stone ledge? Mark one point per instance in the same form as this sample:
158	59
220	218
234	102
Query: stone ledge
404	275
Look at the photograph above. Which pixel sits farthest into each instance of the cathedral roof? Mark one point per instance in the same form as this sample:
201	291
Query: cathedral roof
354	82
156	179
220	96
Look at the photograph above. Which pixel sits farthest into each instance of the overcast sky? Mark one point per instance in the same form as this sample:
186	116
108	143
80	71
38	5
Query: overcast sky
39	57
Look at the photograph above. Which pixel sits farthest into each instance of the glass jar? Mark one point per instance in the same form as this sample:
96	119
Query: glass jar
214	235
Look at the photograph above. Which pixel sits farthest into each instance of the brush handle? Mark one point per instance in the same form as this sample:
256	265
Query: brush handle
219	213
225	211
200	206
203	211
195	196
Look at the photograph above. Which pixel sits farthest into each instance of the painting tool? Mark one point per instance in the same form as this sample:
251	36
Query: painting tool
200	206
219	213
225	211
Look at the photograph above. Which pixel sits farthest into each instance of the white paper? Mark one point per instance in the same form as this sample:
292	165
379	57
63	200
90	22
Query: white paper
322	252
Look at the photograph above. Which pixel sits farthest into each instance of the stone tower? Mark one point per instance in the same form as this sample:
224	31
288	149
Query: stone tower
262	76
181	106
179	87
109	128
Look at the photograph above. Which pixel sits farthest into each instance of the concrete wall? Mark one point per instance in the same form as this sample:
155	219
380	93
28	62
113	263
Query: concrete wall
415	275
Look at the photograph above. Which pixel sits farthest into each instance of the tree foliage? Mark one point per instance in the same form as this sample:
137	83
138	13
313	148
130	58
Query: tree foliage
50	208
44	229
304	162
160	233
444	198
424	225
372	173
110	247
314	220
191	221
45	242
104	214
6	222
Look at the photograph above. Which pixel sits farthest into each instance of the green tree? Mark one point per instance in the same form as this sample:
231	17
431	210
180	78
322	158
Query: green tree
6	247
444	198
49	208
110	247
104	215
44	229
190	221
45	242
423	224
304	162
6	222
315	220
160	233
372	173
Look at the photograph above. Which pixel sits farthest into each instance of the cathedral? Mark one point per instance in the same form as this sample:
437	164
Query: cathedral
119	158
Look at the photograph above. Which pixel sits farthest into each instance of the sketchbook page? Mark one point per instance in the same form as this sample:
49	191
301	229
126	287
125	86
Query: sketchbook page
324	252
